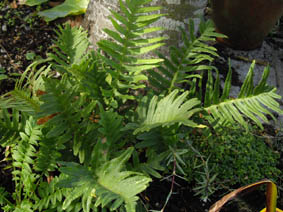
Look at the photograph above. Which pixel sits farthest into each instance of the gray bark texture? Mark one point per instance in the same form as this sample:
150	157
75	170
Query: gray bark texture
178	12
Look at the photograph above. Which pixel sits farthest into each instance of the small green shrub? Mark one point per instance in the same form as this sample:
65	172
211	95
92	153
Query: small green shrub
238	157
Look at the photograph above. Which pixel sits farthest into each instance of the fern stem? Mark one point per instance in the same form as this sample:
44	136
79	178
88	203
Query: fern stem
173	81
175	77
172	184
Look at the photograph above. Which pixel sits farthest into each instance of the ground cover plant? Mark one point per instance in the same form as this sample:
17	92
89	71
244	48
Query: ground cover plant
89	130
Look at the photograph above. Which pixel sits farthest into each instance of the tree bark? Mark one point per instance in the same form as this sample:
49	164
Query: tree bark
178	12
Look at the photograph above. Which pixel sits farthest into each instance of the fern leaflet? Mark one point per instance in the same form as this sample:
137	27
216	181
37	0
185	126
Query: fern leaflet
128	43
253	102
168	111
186	60
108	184
69	48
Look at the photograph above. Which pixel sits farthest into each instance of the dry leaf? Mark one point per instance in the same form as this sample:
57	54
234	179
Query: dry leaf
14	4
219	204
46	118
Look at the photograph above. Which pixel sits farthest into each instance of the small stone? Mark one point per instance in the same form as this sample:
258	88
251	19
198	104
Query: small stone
4	28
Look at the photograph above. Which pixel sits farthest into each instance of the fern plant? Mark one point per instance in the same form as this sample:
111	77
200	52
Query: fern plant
82	140
110	184
128	45
11	124
253	102
168	111
186	62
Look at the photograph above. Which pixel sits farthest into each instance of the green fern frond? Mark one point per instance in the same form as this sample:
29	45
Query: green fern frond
110	187
121	186
111	125
51	197
22	100
59	97
93	78
81	184
24	97
68	108
154	160
48	155
32	76
87	68
69	48
186	60
253	102
168	111
4	197
129	43
23	158
11	124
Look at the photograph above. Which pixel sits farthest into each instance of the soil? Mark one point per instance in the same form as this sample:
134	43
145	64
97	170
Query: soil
23	35
184	200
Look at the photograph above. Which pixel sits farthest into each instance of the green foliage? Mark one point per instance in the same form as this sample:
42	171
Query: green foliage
50	196
23	158
128	46
126	184
2	74
11	126
205	182
85	133
238	157
253	101
34	2
24	97
109	183
184	63
23	155
168	111
71	110
3	197
68	7
70	47
110	129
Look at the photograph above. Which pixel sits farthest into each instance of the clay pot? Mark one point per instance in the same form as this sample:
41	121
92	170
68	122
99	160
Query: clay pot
245	22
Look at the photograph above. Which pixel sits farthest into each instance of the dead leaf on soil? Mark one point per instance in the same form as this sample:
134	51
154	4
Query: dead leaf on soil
14	4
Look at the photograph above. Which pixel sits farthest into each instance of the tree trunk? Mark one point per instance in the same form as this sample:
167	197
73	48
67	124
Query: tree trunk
179	11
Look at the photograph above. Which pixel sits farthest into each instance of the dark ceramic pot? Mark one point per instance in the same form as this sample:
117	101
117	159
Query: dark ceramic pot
245	22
